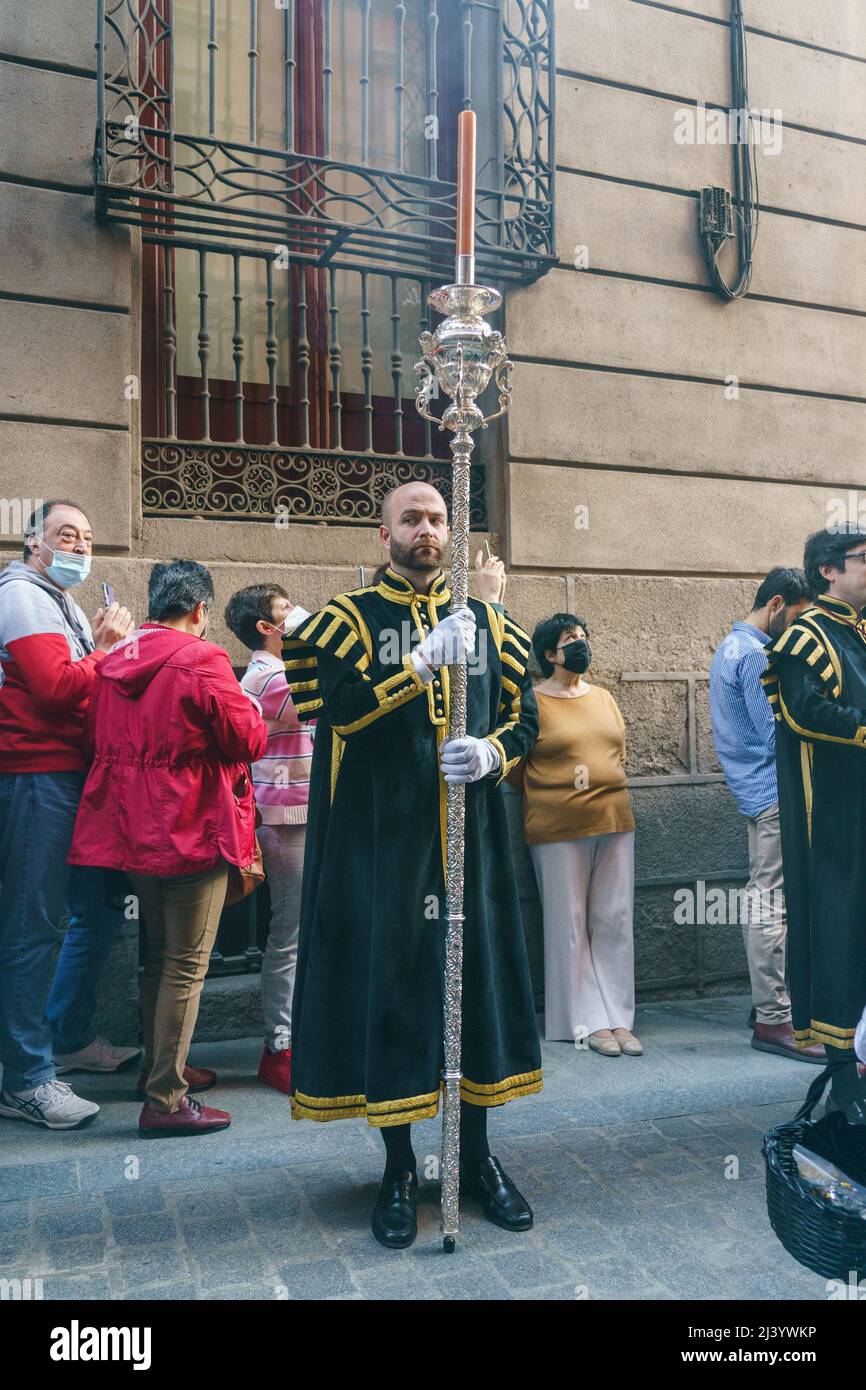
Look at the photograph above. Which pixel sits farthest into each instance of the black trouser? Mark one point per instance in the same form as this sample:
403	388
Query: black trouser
846	1086
473	1141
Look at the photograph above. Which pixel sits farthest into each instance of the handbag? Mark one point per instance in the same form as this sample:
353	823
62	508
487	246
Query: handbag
246	879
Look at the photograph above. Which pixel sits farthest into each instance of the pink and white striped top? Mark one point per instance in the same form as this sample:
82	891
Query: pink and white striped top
281	777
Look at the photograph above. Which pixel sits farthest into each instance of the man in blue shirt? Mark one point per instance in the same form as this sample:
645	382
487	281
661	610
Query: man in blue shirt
744	735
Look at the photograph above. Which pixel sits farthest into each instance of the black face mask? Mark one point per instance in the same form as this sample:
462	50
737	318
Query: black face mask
576	656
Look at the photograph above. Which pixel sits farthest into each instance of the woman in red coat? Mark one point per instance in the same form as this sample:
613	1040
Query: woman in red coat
168	800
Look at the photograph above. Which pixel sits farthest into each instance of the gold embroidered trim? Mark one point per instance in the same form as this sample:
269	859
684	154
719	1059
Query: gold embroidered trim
337	748
406	1111
386	1107
522	1078
806	774
473	1098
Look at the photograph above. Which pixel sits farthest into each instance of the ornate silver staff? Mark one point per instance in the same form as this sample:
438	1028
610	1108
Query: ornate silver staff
461	355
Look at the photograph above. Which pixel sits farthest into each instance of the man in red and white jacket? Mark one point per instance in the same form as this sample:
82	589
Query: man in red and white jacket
48	659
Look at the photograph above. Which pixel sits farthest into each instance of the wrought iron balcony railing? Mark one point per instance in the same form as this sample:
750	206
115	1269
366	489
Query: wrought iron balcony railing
269	164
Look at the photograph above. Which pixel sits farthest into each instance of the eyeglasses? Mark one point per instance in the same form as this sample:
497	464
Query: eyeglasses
859	555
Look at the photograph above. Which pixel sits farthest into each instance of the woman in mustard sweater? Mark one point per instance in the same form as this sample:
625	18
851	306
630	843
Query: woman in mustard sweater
579	826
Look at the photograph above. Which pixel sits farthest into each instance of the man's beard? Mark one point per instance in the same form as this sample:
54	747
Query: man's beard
411	558
776	626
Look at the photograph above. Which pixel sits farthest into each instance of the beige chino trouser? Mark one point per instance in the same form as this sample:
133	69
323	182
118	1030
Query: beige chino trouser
181	915
764	921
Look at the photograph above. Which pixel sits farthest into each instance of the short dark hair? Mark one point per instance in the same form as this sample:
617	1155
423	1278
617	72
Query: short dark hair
38	515
789	584
546	636
175	587
245	608
827	547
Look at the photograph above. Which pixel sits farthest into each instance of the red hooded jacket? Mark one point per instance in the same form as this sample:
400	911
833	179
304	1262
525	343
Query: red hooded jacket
170	733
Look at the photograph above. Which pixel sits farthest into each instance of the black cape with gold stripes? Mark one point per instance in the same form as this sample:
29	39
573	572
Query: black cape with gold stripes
367	1011
816	684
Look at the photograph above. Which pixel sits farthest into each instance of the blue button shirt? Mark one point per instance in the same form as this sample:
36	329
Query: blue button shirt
743	727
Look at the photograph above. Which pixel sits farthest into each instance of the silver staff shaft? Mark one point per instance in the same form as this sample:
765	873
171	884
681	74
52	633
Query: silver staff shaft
461	356
461	448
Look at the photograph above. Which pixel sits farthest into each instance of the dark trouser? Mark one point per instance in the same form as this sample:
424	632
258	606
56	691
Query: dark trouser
846	1086
37	814
473	1141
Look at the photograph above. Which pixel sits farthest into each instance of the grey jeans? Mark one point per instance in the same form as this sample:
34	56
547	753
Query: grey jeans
764	922
283	856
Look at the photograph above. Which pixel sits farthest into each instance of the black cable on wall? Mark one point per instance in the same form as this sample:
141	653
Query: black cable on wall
714	229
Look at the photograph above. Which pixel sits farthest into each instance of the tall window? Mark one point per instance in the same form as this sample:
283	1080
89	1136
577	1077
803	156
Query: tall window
293	172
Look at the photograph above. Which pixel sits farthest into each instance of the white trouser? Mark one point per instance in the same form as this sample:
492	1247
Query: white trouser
587	897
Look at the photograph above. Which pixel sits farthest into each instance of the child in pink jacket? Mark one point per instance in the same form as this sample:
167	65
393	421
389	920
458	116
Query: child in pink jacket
259	616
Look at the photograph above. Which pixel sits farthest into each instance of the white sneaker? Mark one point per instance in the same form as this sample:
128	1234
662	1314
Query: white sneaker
52	1104
101	1055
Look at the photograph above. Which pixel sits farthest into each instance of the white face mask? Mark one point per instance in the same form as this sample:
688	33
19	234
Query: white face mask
294	618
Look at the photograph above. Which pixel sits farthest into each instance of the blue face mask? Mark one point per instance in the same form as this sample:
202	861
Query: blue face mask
67	569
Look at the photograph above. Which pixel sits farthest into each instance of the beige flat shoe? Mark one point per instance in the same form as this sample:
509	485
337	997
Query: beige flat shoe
607	1046
629	1044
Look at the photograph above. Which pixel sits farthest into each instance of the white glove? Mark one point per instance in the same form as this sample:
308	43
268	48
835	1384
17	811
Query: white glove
468	759
449	642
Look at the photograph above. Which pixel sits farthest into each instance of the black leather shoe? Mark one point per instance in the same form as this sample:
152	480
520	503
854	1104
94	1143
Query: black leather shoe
394	1220
502	1203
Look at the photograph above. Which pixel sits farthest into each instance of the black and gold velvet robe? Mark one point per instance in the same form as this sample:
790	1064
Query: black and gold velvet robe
816	684
367	1011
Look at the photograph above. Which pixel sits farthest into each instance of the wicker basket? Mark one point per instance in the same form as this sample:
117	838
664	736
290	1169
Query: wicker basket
823	1238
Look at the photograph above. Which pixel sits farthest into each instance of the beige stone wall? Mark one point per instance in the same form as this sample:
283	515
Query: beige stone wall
623	402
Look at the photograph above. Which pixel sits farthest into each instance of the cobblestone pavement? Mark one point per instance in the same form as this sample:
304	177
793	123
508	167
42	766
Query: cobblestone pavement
626	1162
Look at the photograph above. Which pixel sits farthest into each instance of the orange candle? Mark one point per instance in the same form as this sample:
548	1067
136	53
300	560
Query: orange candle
466	183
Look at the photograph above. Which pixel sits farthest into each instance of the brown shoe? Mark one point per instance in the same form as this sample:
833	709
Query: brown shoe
196	1078
190	1117
779	1037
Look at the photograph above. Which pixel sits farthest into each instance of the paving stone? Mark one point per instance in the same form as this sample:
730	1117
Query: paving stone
14	1245
75	1287
578	1243
72	1254
395	1284
200	1235
206	1206
144	1230
154	1264
240	1264
164	1293
134	1198
273	1209
486	1287
14	1216
50	1179
311	1279
241	1292
62	1219
672	1165
529	1269
303	1239
622	1276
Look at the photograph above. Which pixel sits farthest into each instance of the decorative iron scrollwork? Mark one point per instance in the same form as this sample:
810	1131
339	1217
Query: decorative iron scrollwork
284	485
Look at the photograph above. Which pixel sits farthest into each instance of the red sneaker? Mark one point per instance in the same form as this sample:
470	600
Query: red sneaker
190	1117
275	1069
197	1078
